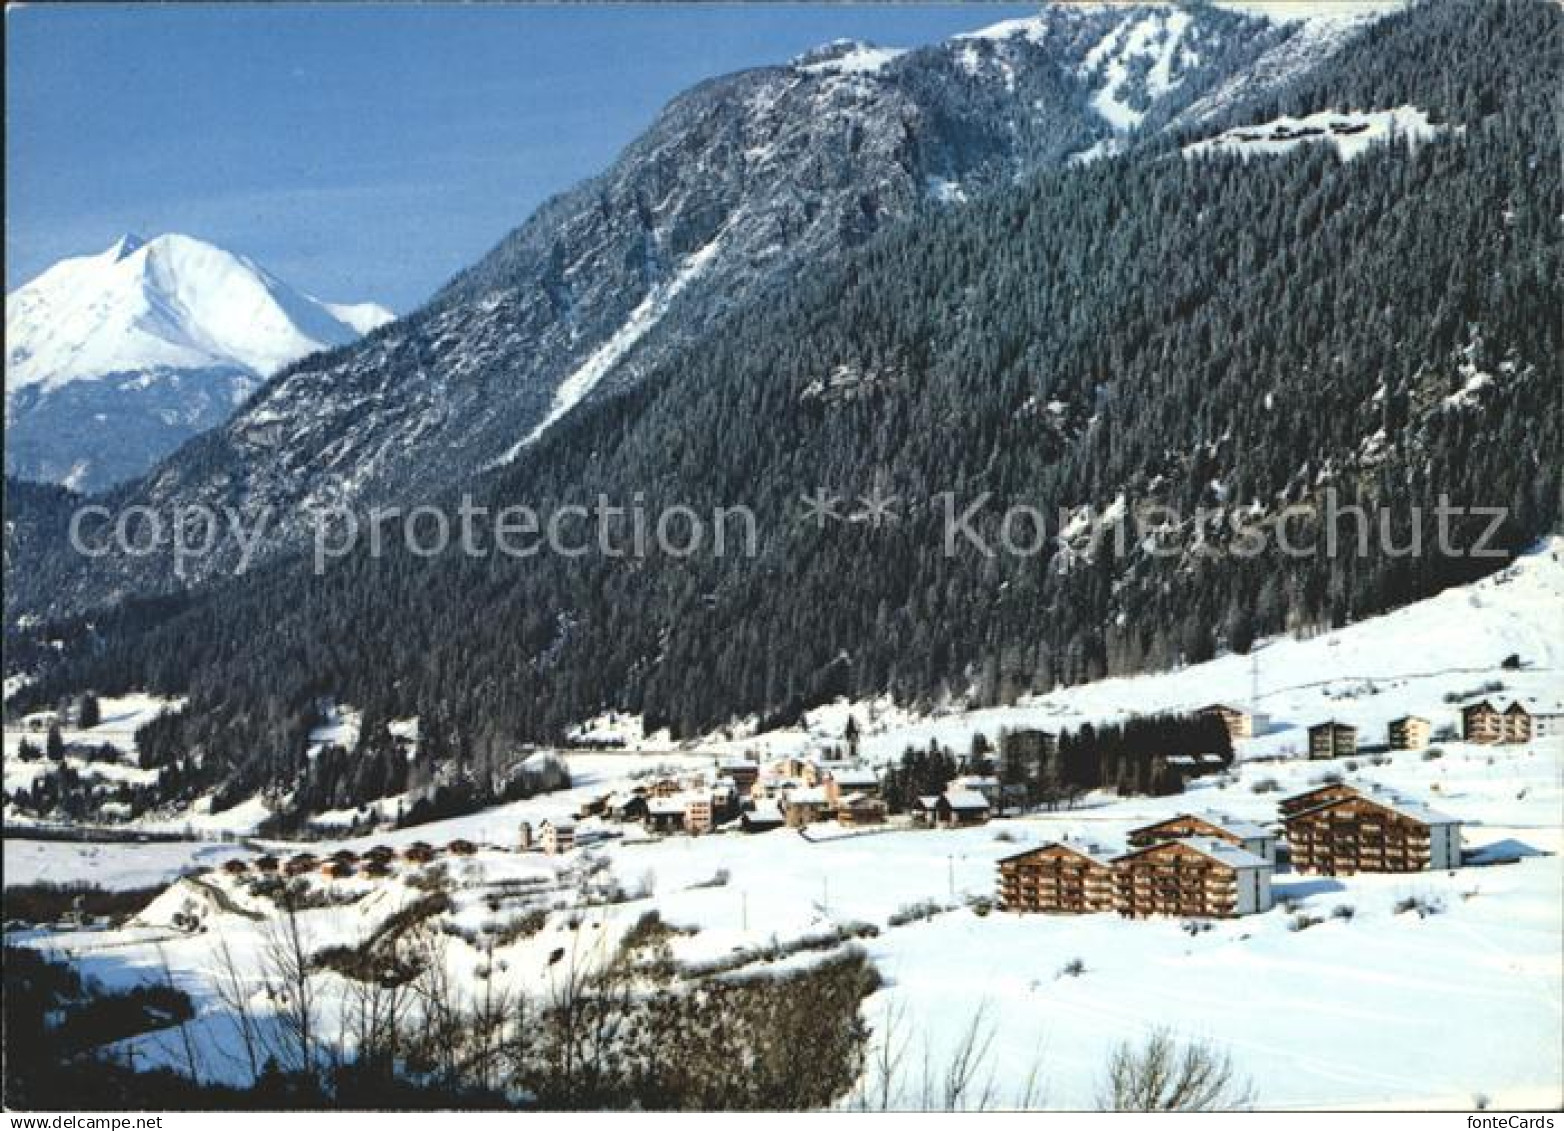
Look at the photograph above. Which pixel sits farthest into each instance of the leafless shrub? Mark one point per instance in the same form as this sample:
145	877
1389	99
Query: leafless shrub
1163	1074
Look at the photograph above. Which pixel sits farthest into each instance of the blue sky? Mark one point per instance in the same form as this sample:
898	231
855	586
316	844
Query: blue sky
359	151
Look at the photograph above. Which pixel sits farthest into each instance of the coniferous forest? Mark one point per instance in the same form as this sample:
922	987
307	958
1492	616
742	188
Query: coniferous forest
1223	336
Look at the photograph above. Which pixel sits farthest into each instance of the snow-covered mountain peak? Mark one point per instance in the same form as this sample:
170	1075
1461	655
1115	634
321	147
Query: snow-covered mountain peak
172	302
114	359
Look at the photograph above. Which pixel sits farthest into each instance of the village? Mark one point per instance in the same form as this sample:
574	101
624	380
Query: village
1191	865
1376	828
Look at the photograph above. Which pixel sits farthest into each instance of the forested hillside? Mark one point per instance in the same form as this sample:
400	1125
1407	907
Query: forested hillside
1232	334
743	185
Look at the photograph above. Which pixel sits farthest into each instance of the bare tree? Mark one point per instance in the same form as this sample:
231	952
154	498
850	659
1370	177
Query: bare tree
288	976
1165	1075
187	1046
233	990
879	1089
961	1086
965	1080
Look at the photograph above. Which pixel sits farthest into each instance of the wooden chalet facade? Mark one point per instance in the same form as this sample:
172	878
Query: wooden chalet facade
1482	722
1201	878
1242	834
1364	833
1332	740
840	783
806	806
741	771
1485	723
1517	724
1409	732
762	816
956	808
1058	879
860	809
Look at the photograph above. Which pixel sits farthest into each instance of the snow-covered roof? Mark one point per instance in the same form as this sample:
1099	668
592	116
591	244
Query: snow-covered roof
559	824
1093	852
1219	850
1244	830
855	776
927	802
1229	854
1247	830
765	811
813	795
1407	807
965	799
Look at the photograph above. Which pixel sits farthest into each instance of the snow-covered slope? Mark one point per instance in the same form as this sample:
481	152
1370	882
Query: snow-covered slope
1351	132
151	340
1334	998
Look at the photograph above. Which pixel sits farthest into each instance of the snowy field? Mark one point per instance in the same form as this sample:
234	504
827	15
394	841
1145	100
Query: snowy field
113	867
1377	1010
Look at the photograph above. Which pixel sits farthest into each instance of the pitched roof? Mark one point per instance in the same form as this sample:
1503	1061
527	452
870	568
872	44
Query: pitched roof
1244	830
1096	853
964	799
1219	850
812	795
1407	807
1333	723
855	776
1321	788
